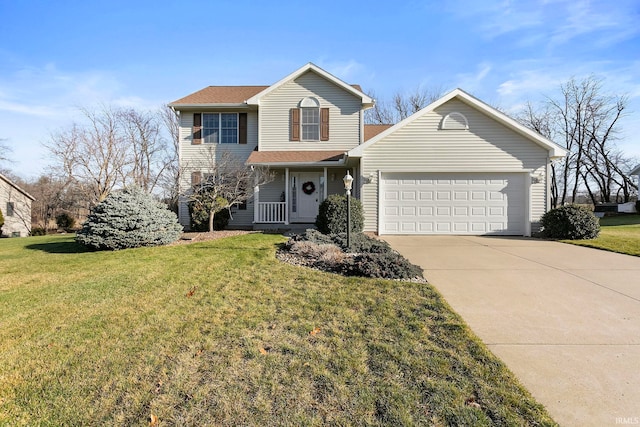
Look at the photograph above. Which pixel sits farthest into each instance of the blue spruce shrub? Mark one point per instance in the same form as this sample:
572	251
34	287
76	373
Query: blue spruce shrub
129	219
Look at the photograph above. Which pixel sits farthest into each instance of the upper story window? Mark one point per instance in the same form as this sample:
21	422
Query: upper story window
10	209
220	128
455	121
309	122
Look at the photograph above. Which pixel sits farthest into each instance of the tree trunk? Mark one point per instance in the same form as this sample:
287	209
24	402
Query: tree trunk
211	215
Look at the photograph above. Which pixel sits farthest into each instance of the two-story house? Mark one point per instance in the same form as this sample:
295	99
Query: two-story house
456	167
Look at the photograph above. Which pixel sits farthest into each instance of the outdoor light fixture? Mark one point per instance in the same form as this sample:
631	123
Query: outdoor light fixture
348	181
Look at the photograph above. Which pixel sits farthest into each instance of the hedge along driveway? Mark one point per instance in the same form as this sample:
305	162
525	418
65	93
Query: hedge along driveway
221	333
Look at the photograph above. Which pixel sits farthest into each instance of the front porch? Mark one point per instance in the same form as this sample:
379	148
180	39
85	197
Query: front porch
292	199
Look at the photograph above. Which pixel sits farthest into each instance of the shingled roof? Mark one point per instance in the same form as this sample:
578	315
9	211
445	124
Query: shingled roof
271	157
220	95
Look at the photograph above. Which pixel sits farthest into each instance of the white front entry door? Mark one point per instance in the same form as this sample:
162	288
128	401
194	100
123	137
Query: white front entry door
306	195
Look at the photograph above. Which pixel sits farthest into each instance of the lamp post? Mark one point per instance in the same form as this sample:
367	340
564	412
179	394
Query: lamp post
348	181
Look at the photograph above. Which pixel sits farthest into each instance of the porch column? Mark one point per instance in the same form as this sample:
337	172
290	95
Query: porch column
256	204
286	196
326	184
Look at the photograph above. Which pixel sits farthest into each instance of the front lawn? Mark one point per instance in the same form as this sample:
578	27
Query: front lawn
617	233
221	333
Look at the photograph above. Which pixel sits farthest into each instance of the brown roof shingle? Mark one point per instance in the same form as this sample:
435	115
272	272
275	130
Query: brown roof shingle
220	95
373	130
268	157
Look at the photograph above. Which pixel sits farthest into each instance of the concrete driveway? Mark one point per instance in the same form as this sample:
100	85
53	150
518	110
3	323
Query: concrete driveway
565	319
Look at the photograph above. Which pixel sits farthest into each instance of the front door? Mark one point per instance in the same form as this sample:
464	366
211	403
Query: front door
306	195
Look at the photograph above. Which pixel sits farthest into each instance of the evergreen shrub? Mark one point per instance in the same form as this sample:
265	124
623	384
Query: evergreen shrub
128	219
332	215
65	221
200	218
386	265
570	222
38	231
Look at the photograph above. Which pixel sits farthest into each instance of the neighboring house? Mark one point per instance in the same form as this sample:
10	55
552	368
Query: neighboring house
458	166
15	204
636	172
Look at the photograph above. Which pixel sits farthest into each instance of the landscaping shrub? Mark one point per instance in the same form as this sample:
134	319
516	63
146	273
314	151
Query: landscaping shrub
570	222
1	221
325	256
128	219
38	231
332	215
388	265
200	218
65	221
637	208
372	257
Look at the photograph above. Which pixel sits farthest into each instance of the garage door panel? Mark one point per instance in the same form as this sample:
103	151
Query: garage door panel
391	195
448	203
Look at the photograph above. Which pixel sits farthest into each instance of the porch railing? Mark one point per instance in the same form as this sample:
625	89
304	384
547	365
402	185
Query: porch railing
271	212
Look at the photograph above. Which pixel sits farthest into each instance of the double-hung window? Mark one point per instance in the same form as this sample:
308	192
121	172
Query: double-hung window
310	124
220	128
10	209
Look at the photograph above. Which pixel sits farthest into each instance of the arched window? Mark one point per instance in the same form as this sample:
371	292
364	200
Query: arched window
455	121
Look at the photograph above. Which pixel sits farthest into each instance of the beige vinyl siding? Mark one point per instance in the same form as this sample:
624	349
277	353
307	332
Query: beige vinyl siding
421	146
196	157
344	115
18	224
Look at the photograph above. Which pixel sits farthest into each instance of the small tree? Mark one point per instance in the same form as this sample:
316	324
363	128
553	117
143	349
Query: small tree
1	221
128	219
225	182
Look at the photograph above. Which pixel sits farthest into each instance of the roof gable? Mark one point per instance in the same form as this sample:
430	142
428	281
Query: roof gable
12	184
310	67
635	171
555	151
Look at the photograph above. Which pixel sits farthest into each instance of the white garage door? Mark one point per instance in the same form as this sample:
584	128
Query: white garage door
453	203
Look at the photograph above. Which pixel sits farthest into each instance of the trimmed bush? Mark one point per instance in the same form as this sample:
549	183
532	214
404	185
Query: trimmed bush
65	221
129	219
332	215
38	231
388	265
570	222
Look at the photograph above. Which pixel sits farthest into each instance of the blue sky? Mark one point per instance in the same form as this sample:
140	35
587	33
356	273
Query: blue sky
58	56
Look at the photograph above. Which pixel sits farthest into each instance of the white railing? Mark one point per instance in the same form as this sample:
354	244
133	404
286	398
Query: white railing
271	212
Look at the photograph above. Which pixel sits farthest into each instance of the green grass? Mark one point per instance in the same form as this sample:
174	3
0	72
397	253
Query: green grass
617	234
109	338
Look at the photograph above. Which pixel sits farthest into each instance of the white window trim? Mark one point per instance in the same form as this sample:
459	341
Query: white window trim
219	113
451	115
302	124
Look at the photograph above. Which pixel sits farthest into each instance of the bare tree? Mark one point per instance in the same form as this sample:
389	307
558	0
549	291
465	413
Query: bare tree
149	154
4	150
115	148
402	105
585	121
170	179
225	182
